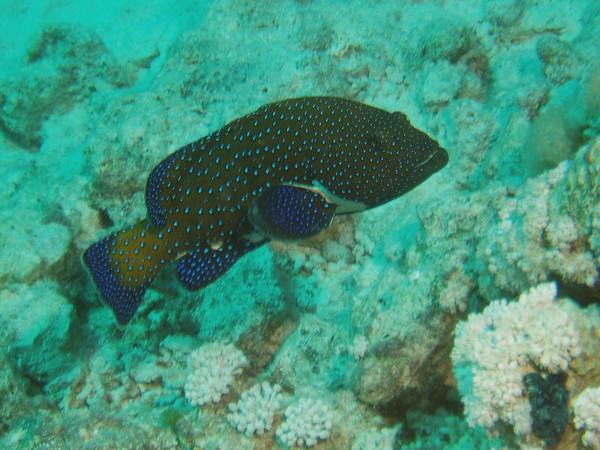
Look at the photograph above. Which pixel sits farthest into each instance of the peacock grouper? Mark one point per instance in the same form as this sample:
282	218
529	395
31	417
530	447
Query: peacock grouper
281	172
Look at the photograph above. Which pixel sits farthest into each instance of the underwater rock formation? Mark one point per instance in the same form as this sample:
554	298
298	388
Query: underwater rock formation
64	66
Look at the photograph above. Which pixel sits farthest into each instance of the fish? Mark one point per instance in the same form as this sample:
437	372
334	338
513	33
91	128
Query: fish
282	172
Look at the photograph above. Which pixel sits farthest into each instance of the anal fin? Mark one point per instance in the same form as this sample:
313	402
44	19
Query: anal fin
202	266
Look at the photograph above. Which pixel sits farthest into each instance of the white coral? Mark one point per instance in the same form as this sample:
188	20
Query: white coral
587	416
213	368
495	349
254	412
539	234
306	422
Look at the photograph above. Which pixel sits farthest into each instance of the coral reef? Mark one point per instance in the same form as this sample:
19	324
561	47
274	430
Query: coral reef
363	317
512	361
541	233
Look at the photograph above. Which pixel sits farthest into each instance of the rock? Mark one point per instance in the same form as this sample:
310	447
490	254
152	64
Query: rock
36	318
65	65
36	245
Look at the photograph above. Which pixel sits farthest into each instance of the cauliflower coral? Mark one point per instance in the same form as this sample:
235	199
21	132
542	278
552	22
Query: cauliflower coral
254	412
494	350
306	422
214	366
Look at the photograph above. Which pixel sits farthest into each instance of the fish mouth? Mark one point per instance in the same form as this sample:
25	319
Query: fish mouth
441	158
435	160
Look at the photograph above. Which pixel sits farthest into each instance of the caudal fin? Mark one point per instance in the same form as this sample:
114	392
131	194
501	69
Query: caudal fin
124	264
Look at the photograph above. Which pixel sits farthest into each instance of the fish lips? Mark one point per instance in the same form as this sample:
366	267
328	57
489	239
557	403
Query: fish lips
435	160
440	159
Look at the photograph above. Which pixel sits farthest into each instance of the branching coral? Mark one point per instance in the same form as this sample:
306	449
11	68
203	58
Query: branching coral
494	350
214	366
254	412
306	423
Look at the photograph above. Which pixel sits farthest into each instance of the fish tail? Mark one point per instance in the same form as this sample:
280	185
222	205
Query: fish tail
124	264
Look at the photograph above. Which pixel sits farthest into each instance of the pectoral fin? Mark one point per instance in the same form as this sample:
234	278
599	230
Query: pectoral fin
290	212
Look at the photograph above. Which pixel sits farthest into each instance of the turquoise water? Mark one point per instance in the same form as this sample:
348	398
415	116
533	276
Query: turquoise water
463	314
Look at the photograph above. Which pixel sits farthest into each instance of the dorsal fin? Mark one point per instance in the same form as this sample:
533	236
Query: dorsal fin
154	193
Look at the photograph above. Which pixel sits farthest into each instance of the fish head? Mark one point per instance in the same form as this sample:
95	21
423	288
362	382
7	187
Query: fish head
407	155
